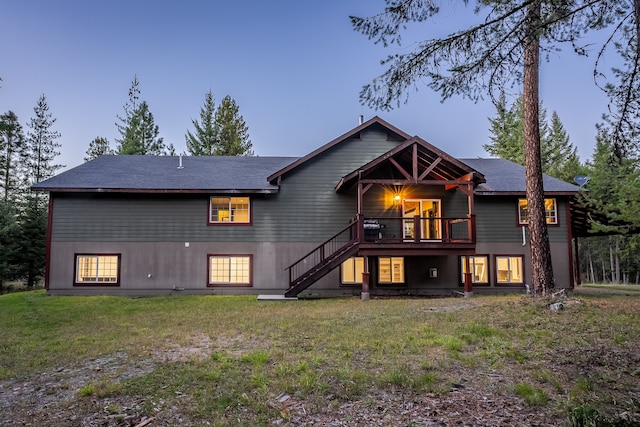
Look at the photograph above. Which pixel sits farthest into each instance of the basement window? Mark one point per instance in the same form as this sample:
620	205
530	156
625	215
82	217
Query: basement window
390	270
229	270
97	269
351	271
510	270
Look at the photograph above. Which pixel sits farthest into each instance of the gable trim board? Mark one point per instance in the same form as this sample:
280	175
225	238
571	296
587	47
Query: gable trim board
155	216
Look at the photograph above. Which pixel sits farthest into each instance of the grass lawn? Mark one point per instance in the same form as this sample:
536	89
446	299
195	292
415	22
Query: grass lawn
221	360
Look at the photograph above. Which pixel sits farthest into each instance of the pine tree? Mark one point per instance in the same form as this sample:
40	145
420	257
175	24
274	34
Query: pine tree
9	238
124	122
41	144
31	248
562	159
12	155
204	141
558	155
233	133
221	132
138	131
98	147
141	137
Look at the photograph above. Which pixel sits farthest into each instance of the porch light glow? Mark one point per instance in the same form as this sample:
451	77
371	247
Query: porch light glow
396	199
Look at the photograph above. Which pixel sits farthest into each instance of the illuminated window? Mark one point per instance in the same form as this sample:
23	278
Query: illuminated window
390	270
509	269
551	212
97	269
351	271
478	266
232	270
229	210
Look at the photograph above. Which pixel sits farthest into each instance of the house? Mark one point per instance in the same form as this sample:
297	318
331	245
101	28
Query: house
374	205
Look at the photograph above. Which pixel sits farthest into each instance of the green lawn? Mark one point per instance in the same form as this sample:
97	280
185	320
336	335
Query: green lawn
232	356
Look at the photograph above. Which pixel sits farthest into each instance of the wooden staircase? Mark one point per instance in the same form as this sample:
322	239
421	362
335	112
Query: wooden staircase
320	261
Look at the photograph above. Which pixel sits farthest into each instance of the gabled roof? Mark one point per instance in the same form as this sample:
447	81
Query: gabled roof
163	174
414	160
506	177
375	121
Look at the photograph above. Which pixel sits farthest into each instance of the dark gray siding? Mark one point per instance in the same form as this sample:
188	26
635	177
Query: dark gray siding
307	208
497	220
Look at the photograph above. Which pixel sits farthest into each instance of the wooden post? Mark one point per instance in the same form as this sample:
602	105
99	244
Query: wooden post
364	295
468	278
417	232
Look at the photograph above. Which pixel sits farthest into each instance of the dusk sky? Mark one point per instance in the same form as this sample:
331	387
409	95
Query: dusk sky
295	68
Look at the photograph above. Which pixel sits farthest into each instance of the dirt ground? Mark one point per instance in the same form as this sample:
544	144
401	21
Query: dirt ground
53	399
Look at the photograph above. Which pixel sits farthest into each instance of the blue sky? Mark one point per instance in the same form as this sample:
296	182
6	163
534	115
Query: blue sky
295	68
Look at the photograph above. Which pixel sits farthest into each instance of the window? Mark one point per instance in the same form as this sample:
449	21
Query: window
509	269
96	269
478	266
351	271
391	270
225	210
230	270
430	222
550	208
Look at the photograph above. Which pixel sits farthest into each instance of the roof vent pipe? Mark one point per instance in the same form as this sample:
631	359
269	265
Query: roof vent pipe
180	162
360	119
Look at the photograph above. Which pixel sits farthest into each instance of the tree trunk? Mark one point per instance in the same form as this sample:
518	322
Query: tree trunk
542	270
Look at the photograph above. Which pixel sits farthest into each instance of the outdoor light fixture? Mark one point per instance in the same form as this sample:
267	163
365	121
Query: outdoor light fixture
396	199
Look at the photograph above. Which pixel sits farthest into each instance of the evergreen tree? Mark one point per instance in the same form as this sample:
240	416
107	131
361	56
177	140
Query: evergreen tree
141	137
31	248
222	131
138	131
41	144
124	122
98	147
562	159
205	140
558	156
9	238
233	133
12	156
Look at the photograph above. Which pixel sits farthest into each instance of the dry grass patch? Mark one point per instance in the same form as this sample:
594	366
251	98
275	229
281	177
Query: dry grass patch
237	361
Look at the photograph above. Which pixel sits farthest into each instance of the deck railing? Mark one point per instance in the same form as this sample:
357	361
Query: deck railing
415	229
323	252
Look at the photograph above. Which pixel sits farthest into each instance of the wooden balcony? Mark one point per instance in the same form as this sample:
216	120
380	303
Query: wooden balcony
415	235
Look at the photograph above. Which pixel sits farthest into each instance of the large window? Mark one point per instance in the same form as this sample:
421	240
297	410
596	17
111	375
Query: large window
230	270
97	269
509	269
351	271
390	270
229	210
550	207
478	266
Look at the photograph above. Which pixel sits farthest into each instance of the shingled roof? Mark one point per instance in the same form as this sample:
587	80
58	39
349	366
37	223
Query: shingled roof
164	174
506	177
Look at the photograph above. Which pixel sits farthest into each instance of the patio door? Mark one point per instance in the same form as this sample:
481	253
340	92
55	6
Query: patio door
430	220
